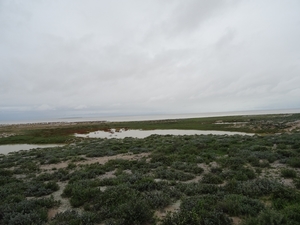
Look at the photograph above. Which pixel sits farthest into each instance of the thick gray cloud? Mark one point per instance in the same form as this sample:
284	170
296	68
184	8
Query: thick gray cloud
73	57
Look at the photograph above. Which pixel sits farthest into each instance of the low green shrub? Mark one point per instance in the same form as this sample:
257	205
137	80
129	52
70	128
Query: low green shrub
237	205
171	174
26	211
80	192
71	217
38	189
216	170
45	177
294	162
292	214
193	189
252	188
288	173
210	178
157	199
124	203
266	217
198	210
240	174
283	196
187	167
297	183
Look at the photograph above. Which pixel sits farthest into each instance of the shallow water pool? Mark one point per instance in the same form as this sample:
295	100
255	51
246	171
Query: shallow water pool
4	149
145	133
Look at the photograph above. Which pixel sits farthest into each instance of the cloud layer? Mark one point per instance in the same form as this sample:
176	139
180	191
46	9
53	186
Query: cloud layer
72	57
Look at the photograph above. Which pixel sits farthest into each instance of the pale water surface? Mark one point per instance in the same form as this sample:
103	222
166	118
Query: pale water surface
152	117
4	149
145	133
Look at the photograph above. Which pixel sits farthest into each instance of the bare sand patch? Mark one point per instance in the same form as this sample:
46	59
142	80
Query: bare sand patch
293	126
160	214
110	174
195	180
5	135
207	167
65	204
275	173
236	220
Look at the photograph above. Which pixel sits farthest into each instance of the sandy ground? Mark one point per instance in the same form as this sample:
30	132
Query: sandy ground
65	204
293	126
100	160
171	208
4	135
275	172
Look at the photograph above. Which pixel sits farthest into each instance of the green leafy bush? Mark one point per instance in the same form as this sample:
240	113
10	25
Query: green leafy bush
198	211
292	214
266	217
26	211
187	167
294	162
71	217
240	174
210	178
80	192
40	189
237	205
252	188
171	174
288	173
192	189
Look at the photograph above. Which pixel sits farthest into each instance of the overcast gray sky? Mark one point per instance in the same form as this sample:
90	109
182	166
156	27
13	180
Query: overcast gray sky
87	57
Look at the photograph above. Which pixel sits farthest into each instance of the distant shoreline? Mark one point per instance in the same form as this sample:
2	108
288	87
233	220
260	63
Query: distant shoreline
103	119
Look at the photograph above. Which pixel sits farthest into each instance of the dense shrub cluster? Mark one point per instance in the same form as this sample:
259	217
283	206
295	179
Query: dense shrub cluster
198	210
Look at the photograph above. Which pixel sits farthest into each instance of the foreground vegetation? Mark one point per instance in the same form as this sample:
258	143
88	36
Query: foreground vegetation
196	179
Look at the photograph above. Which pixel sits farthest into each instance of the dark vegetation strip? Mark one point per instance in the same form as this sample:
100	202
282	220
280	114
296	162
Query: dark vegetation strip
63	132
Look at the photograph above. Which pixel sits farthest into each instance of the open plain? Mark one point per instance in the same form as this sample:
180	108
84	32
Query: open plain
160	179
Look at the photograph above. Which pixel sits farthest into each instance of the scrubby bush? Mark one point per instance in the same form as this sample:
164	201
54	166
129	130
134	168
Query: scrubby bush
266	217
232	162
292	214
170	174
157	199
40	189
26	211
283	196
124	203
147	184
240	174
193	189
297	183
45	177
210	178
288	173
252	188
159	157
198	210
71	217
61	175
187	167
237	205
216	170
294	162
80	192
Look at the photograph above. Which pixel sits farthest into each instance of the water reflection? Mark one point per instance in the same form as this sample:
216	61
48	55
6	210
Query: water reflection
145	133
4	149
